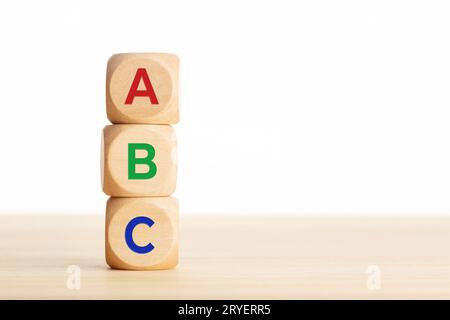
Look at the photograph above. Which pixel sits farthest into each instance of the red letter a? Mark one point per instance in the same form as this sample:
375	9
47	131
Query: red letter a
141	73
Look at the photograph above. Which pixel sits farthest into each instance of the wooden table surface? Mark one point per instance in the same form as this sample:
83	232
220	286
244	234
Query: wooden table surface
234	257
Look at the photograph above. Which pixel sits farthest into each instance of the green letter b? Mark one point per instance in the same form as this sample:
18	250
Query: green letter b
133	161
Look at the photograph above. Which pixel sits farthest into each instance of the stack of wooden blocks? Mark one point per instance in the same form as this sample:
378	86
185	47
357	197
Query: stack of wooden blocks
139	161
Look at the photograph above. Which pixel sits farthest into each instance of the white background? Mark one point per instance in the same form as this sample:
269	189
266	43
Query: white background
287	106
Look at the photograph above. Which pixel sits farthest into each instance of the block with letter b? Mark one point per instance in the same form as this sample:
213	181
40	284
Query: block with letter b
142	233
139	160
142	88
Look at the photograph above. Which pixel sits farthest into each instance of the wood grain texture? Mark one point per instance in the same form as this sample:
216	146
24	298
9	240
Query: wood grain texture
162	234
162	72
115	160
234	257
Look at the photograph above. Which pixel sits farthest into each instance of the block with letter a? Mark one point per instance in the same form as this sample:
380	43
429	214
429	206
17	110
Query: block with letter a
142	88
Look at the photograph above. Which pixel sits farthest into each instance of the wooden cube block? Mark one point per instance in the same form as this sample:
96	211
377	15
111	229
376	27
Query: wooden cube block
142	233
139	160
142	88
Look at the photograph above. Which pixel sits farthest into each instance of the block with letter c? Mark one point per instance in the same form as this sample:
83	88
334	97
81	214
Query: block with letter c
142	233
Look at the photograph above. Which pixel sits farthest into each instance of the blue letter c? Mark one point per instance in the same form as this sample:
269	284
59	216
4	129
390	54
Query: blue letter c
129	234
